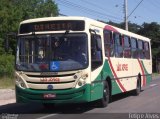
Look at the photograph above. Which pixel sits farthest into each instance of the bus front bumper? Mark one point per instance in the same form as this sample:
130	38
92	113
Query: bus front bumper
60	96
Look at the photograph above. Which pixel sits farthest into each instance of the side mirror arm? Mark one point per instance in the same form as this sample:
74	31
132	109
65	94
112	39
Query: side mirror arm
8	36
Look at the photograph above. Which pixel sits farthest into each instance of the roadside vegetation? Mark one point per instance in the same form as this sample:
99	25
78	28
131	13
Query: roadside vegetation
155	74
12	12
6	82
6	71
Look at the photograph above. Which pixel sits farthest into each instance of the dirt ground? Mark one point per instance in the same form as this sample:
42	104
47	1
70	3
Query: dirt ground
7	96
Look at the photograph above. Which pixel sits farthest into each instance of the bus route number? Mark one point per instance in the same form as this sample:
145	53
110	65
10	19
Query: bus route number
51	79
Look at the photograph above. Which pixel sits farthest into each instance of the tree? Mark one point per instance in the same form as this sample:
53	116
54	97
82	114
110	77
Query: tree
12	12
152	31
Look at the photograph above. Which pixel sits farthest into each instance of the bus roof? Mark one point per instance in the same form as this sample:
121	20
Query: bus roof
91	21
54	18
128	33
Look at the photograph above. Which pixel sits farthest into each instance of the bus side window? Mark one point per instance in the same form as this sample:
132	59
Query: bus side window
141	49
96	51
134	48
108	44
146	50
118	45
127	47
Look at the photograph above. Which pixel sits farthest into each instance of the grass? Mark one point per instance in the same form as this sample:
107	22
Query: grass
6	82
155	74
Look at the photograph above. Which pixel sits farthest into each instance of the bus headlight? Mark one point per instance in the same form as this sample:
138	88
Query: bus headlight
82	80
20	83
84	76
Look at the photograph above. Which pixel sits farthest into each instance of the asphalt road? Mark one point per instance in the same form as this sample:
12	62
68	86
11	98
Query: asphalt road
146	105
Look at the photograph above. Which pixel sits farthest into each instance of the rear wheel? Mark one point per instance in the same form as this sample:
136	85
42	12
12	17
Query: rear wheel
138	88
106	96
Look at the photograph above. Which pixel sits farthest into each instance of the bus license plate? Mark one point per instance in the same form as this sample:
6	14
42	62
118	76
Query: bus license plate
49	96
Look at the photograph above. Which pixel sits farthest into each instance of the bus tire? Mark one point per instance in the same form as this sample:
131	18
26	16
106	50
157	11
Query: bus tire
103	102
138	88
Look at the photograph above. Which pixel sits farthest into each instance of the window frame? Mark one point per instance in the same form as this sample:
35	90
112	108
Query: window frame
118	45
147	50
108	44
126	47
141	49
134	50
96	63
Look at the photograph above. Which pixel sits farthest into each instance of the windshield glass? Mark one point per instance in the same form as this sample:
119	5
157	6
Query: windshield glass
58	52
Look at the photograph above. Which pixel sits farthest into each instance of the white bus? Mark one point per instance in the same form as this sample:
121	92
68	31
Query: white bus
77	59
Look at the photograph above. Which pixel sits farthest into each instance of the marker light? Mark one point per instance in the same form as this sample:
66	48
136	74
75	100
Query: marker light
84	76
80	83
20	83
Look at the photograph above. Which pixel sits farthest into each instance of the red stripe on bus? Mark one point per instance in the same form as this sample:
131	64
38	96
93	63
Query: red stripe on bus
123	89
143	74
110	28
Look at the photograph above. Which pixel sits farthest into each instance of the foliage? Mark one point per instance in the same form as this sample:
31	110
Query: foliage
12	12
1	46
6	65
6	82
152	31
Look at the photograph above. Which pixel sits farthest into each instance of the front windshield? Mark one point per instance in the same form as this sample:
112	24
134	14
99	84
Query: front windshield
57	52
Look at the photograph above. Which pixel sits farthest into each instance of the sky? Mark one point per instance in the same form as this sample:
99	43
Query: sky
112	10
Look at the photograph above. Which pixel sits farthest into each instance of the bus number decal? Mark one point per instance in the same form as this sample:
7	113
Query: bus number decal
52	79
122	67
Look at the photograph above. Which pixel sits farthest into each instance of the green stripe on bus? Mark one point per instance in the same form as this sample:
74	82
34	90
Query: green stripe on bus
97	85
61	96
148	76
108	73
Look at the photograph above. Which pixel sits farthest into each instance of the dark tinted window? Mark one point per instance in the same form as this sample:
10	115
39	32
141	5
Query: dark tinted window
96	51
141	49
134	48
127	47
118	45
108	44
146	50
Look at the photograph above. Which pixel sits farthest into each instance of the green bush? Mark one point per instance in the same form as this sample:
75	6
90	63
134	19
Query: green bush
7	65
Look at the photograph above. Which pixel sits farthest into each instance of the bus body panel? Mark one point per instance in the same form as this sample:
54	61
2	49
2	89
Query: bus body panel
61	96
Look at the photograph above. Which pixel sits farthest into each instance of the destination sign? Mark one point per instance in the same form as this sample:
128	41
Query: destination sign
75	25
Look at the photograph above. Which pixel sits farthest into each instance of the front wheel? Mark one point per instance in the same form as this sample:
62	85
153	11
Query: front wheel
106	96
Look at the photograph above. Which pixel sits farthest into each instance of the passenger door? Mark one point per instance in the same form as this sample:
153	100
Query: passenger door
96	67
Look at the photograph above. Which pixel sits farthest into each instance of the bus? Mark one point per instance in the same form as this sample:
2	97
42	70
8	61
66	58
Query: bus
77	60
